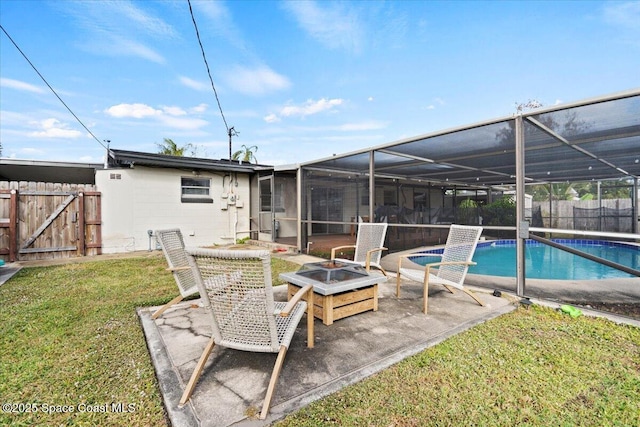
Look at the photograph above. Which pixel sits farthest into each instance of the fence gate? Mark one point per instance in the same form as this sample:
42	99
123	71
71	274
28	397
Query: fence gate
49	221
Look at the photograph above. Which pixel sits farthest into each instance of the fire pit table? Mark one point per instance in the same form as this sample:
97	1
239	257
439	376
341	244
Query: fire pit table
340	289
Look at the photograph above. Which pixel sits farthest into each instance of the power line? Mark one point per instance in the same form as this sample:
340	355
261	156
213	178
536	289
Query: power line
230	131
52	90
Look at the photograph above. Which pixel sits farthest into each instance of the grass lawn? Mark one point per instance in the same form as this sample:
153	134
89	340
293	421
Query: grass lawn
70	340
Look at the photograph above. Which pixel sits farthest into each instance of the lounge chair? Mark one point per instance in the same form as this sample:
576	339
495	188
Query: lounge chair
172	245
235	286
452	270
368	247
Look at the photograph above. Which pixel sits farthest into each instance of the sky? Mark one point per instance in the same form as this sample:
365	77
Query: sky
298	81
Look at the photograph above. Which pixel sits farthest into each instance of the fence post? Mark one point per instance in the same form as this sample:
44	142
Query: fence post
82	247
13	226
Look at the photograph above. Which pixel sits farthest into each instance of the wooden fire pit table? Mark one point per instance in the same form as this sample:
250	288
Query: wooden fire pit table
340	289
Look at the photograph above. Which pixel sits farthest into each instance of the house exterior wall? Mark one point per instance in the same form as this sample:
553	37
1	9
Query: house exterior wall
139	199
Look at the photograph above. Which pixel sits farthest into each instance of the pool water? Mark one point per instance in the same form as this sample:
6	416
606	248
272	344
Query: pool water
545	262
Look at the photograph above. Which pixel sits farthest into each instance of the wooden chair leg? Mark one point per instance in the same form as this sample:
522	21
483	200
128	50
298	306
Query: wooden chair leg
383	271
450	289
272	383
196	372
426	297
310	320
472	295
398	284
167	305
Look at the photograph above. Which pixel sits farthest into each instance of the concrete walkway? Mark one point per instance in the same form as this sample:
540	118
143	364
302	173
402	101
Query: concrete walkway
233	383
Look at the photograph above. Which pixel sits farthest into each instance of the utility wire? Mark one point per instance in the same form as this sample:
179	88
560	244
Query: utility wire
209	71
52	90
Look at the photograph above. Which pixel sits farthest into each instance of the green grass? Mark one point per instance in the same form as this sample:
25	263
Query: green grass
69	335
529	367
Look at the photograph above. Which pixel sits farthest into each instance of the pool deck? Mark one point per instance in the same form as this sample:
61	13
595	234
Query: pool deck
621	290
233	383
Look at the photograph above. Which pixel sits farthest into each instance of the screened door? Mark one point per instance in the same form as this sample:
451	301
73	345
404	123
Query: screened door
326	205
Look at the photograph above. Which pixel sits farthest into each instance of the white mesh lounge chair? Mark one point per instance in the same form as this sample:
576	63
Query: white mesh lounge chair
173	248
452	270
368	245
235	286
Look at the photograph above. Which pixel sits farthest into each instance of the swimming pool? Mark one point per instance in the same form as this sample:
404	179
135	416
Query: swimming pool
498	258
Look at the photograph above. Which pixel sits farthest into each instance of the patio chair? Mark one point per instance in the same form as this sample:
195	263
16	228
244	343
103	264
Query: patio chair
173	248
368	247
235	286
452	270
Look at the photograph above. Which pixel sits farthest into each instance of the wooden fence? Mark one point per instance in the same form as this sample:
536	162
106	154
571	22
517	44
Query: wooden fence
561	214
49	221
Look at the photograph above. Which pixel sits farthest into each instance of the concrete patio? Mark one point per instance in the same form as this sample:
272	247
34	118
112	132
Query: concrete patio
233	383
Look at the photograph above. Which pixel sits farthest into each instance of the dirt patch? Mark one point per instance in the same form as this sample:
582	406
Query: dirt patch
629	310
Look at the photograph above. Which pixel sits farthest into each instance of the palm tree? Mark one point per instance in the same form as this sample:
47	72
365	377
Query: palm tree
246	154
170	148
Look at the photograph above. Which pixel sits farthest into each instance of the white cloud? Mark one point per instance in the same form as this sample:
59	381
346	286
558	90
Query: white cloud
257	81
142	20
436	103
221	23
174	111
194	84
136	111
171	116
625	14
122	47
19	85
201	108
183	123
332	24
53	128
271	118
119	28
310	107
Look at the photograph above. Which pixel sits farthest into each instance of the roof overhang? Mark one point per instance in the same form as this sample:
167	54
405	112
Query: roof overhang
122	158
596	139
46	171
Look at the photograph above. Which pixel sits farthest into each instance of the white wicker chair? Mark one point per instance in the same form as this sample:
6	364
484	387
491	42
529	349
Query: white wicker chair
235	286
452	270
173	248
368	247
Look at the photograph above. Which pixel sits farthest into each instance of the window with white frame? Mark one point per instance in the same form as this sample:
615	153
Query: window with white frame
196	190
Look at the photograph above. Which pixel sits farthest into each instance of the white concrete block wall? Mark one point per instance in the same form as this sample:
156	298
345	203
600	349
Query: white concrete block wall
145	199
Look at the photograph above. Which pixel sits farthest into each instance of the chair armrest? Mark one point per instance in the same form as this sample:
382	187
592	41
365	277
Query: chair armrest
333	250
436	264
183	268
414	254
429	266
367	263
295	299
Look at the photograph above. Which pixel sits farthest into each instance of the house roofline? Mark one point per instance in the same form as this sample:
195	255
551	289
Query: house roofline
124	158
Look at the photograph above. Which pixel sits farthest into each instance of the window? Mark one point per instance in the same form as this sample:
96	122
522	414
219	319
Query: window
196	190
